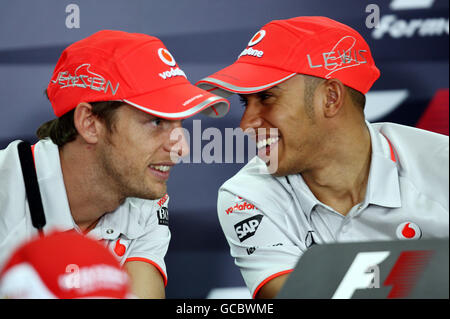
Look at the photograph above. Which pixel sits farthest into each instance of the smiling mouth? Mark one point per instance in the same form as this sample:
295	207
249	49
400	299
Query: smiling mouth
160	171
267	142
161	168
266	146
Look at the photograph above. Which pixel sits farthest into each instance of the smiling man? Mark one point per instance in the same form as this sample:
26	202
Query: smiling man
338	178
103	163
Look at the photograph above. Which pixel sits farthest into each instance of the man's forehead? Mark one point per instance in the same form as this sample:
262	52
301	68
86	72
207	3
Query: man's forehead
138	112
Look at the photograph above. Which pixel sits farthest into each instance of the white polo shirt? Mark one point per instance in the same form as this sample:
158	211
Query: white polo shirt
269	222
138	230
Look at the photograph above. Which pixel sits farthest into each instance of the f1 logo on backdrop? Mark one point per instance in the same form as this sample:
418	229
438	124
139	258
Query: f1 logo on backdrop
364	273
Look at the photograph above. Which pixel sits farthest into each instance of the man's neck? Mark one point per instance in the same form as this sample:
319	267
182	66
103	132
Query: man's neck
89	196
340	181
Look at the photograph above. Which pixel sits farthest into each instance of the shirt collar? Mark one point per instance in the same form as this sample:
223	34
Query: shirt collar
383	187
124	220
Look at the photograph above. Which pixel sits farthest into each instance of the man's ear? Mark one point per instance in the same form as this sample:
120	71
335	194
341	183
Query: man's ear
334	97
86	123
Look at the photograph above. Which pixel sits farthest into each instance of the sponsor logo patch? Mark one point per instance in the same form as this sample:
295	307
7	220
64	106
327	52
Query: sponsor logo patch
408	230
248	227
251	250
254	40
257	38
242	206
166	57
163	216
163	200
171	73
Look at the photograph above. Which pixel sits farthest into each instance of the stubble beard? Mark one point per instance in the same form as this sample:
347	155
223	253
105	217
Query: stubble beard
123	178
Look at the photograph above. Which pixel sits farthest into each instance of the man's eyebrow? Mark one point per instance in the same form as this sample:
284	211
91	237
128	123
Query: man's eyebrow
150	117
276	87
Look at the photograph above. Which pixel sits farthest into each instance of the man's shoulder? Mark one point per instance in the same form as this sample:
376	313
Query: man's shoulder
254	183
137	216
9	153
12	194
254	173
415	146
405	133
422	158
10	170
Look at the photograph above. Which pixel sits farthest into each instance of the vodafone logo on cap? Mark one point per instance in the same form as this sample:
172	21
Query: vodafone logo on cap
408	230
254	40
257	38
166	57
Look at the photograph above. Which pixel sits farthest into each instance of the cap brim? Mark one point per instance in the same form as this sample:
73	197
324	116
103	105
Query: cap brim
243	78
179	102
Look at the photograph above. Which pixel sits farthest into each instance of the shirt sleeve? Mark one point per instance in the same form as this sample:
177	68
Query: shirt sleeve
152	245
259	243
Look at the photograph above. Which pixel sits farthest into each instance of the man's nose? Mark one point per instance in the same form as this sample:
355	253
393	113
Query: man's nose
251	119
178	145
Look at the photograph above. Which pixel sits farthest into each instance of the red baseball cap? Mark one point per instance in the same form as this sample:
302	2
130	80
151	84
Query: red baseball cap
130	67
63	265
316	46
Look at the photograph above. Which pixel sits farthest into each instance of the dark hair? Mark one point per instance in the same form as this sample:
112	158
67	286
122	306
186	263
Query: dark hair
357	97
62	129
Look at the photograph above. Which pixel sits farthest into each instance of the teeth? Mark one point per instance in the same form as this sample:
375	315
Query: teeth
161	168
267	142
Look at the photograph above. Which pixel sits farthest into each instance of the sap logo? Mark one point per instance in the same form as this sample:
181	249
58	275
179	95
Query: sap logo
247	228
163	216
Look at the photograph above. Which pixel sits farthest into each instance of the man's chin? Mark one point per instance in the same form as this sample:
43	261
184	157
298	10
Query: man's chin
158	194
276	170
151	194
271	165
